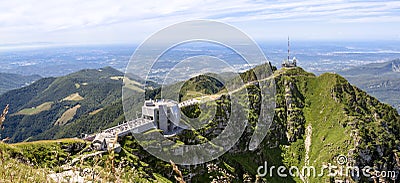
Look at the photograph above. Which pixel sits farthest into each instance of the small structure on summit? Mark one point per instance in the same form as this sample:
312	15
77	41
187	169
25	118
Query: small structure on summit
105	141
289	63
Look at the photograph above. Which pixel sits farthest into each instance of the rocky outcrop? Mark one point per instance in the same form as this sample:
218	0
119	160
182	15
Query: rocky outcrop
395	68
73	147
374	130
289	105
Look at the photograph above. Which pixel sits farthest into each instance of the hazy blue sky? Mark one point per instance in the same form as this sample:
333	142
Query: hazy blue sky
127	21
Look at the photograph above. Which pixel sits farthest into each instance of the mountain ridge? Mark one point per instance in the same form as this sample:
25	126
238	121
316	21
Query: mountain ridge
377	79
317	119
10	81
94	89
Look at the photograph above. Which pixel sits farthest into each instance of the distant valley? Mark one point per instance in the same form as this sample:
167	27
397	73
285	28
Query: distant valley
316	57
40	110
10	81
381	80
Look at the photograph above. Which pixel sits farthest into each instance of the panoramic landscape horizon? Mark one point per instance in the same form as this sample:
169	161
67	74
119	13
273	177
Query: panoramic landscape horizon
200	91
315	56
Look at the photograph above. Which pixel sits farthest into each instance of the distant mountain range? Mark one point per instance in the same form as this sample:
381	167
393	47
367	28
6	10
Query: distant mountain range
381	80
10	81
388	67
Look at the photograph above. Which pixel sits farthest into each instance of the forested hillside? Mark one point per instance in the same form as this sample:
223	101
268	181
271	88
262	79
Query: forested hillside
317	119
55	102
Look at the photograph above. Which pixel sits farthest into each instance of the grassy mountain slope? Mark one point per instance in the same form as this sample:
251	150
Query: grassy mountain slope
317	118
30	162
37	161
344	121
52	102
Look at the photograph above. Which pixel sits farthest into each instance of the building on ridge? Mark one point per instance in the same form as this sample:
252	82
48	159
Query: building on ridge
164	113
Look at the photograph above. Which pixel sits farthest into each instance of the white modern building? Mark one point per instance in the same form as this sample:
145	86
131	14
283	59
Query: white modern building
164	113
160	114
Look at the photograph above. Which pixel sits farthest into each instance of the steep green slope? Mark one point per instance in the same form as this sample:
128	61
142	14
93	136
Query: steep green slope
32	162
87	124
338	119
36	108
40	161
198	86
317	119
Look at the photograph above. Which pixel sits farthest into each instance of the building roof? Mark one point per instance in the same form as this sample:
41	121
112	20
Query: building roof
155	104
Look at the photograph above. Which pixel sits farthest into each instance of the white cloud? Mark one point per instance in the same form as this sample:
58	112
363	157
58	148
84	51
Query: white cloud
30	19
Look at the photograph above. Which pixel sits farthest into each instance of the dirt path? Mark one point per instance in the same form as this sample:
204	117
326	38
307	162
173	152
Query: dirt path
208	98
307	145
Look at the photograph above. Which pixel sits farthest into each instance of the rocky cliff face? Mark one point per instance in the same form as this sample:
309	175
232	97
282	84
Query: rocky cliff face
341	120
395	68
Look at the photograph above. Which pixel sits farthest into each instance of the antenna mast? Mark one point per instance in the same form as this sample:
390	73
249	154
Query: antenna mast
288	49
